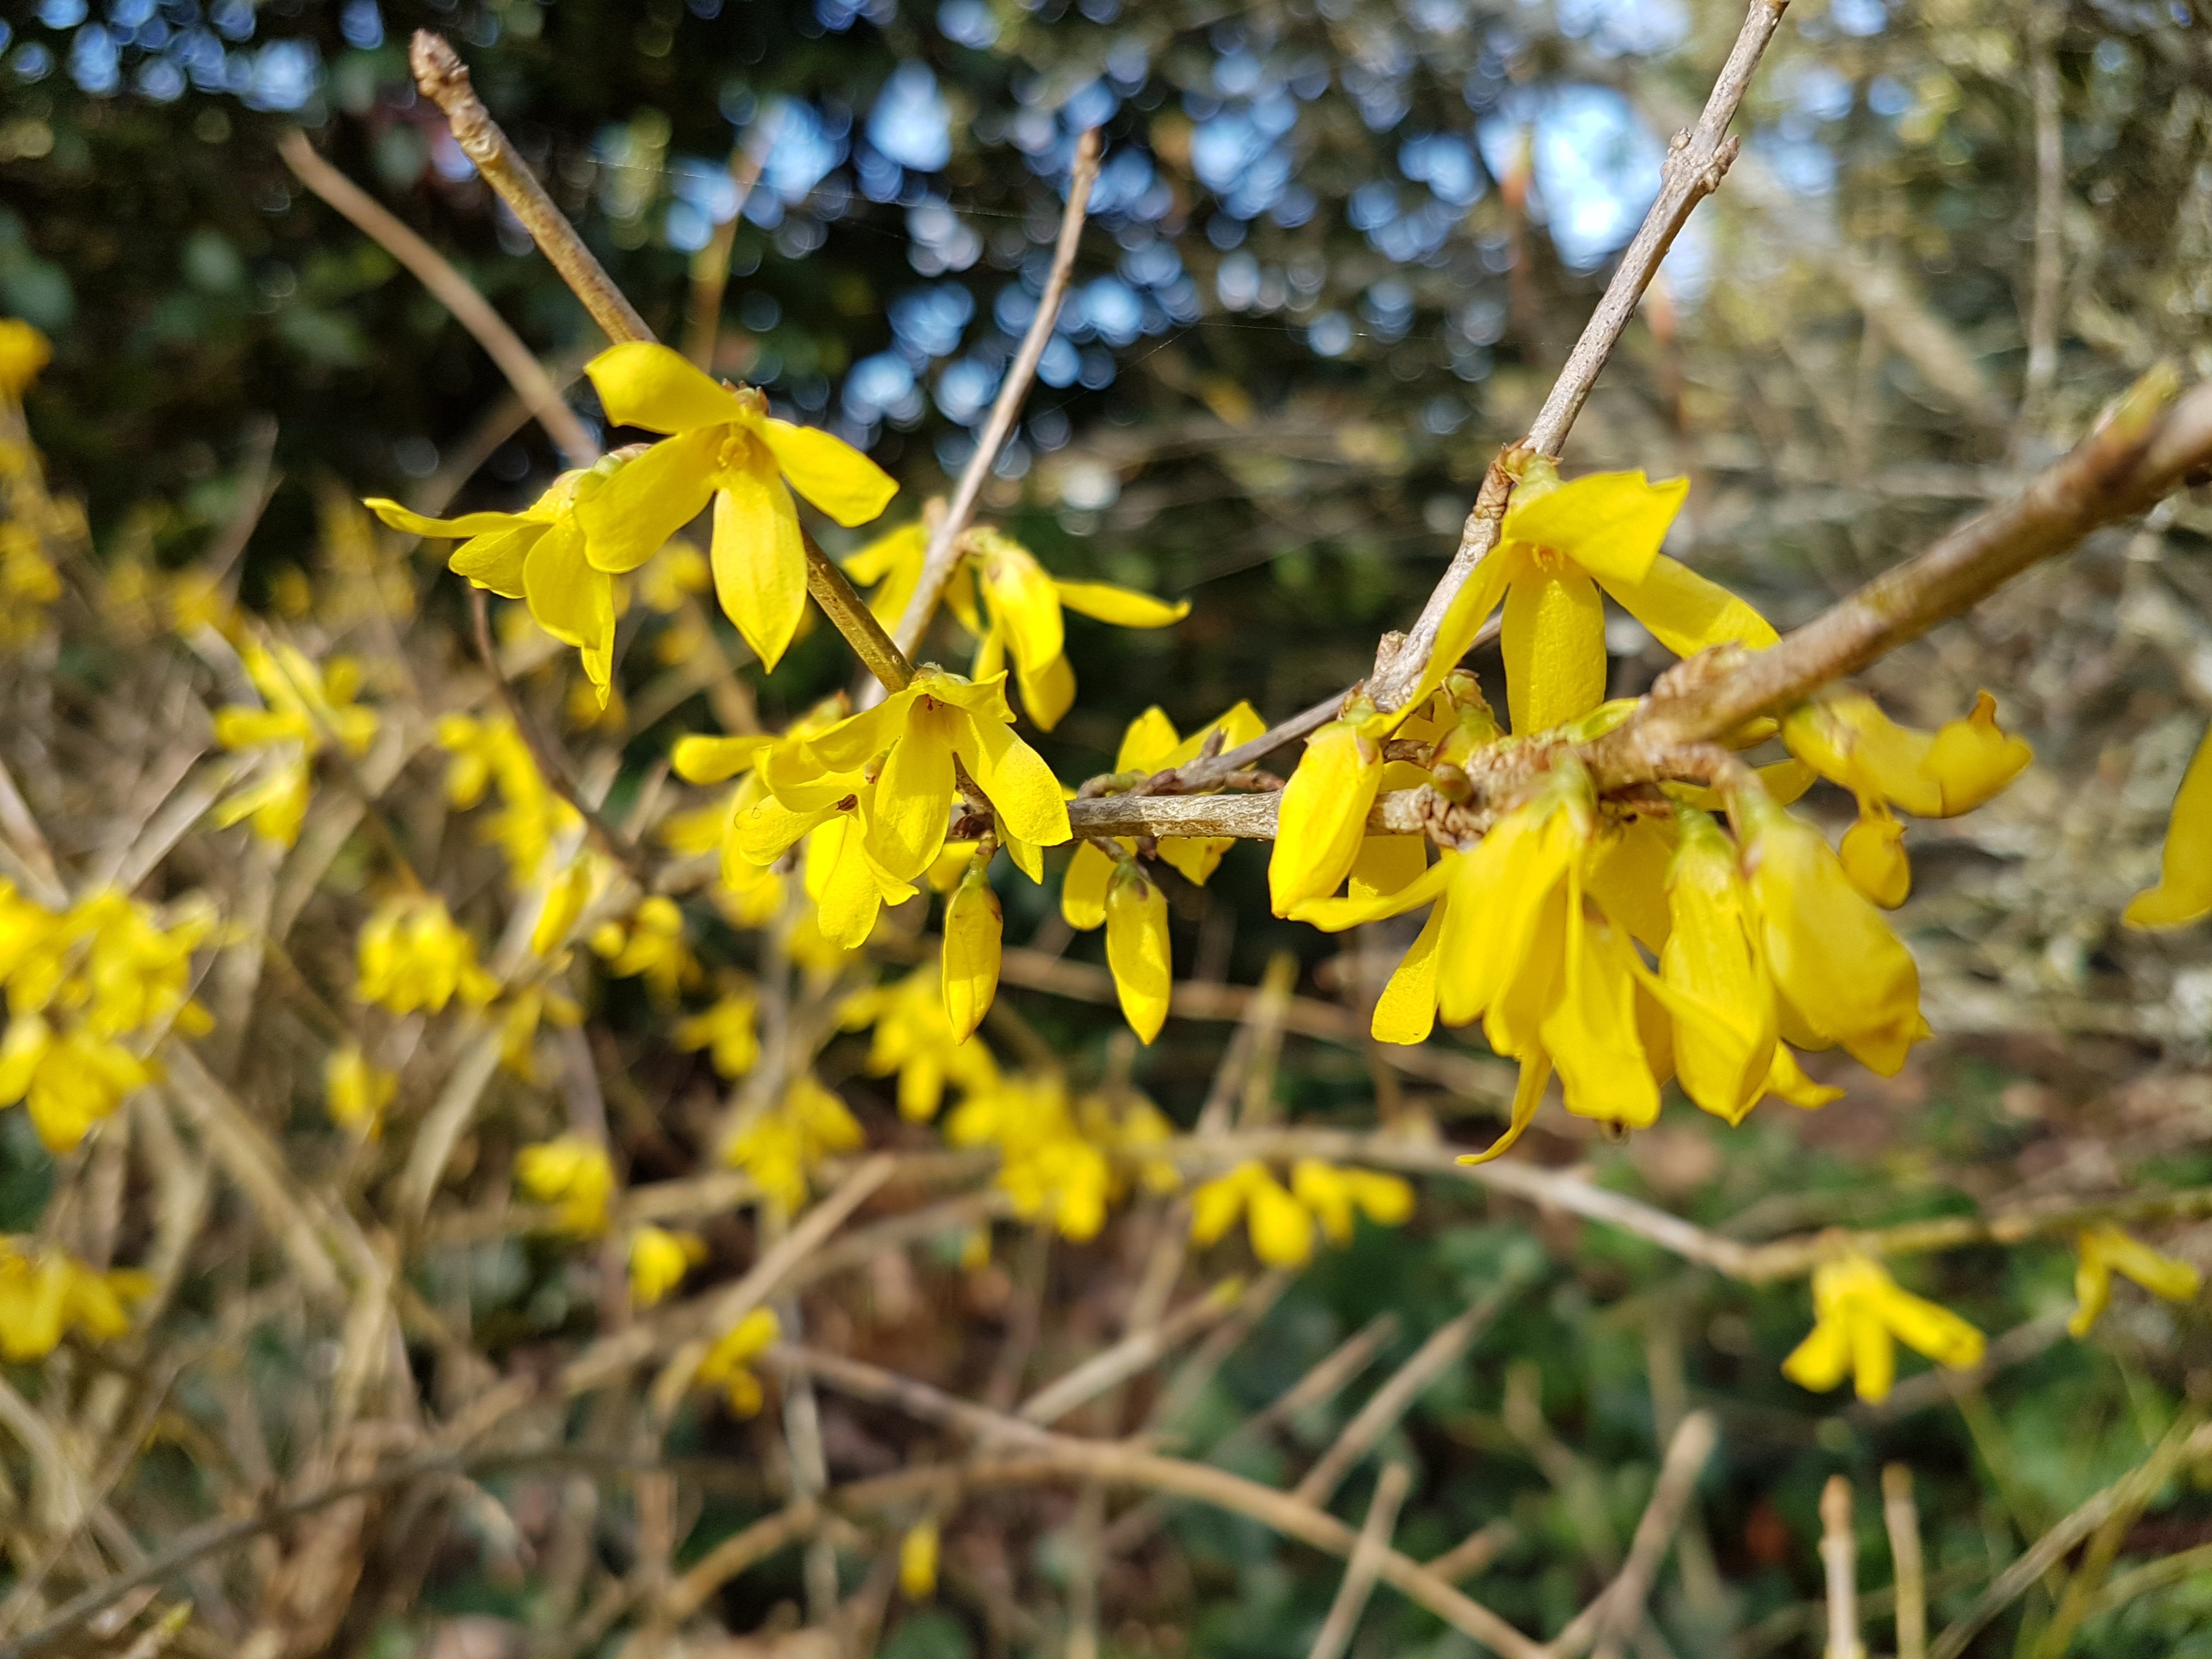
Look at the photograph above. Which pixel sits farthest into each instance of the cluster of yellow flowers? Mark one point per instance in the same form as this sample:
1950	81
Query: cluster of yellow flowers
304	709
780	1146
915	1037
46	1294
81	984
29	518
1281	1222
1064	1161
531	817
412	955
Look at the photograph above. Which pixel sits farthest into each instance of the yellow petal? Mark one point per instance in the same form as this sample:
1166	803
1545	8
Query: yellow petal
496	561
1611	524
1627	876
1463	619
468	526
643	384
972	926
698	759
828	471
1137	950
1024	604
1122	606
570	600
1048	693
1334	915
1929	1328
2183	892
1021	786
1146	745
1083	889
911	812
1388	864
918	1562
1972	758
1786	1080
759	561
851	743
629	516
1323	819
1823	1360
1724	1028
2093	1293
1873	856
1554	646
1527	1096
1685	612
1590	1031
1215	1206
1282	1232
1406	1011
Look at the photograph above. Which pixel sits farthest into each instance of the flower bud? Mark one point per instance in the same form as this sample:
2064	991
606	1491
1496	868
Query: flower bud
972	925
1322	818
1137	949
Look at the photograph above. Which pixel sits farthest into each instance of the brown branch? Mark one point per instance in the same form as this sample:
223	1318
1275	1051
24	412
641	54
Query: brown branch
944	552
451	289
1901	1518
1337	1630
832	591
710	266
1695	162
443	79
1618	1608
1135	1353
1839	1556
2047	20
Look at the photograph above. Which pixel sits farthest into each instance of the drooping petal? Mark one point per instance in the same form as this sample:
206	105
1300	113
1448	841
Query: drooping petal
1023	605
1463	619
1823	1360
467	527
828	471
973	923
1137	949
701	759
643	384
1974	757
1554	646
853	742
1048	693
2183	892
1627	876
1685	612
759	559
495	561
1146	745
1334	915
571	601
1083	889
1930	1328
1388	864
1527	1096
1873	856
1122	606
633	511
1322	818
1786	1080
1022	788
1406	1011
1611	524
1590	1031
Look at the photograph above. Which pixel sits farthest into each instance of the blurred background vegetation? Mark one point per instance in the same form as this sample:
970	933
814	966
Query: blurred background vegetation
1338	251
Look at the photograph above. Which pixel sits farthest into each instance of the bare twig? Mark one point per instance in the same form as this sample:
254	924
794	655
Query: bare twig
452	289
710	266
1902	1519
1839	1555
1695	162
2050	210
833	592
1359	1583
1618	1608
943	552
1133	1354
441	77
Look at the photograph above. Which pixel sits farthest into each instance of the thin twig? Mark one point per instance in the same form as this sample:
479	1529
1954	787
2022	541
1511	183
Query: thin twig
1839	1555
710	266
943	553
1618	1609
441	77
1696	161
1135	1353
1337	1630
832	591
451	289
1902	1519
2046	21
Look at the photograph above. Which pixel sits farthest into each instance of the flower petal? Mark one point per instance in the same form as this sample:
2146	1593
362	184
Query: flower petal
1406	1009
1554	646
1022	788
1122	606
570	600
643	384
1686	613
1470	608
629	514
496	561
1150	739
1611	524
1048	693
1083	889
759	561
467	526
913	794
1527	1096
699	759
828	471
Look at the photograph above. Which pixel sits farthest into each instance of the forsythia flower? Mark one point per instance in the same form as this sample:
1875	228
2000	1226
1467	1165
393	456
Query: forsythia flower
725	447
46	1295
726	1365
2183	892
1137	949
651	946
914	1037
1860	1315
659	1260
2104	1250
1332	1194
537	556
530	816
780	1148
1321	822
893	563
726	1030
1151	745
1559	545
573	1175
973	921
1025	606
1048	1169
918	1561
412	955
1281	1229
356	1092
67	1080
306	707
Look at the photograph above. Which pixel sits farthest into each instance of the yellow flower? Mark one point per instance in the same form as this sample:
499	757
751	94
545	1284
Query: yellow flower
1873	856
306	707
573	1175
68	1081
530	816
1724	1048
906	744
918	1561
1048	1169
1559	545
1137	949
2185	886
1149	745
46	1295
1279	1227
567	893
728	1030
23	352
537	556
972	925
1332	1194
1321	822
2103	1249
781	1147
659	1260
651	947
412	955
1860	1315
1841	975
914	1037
356	1092
517	1027
893	562
1025	603
723	447
726	1365
1846	739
